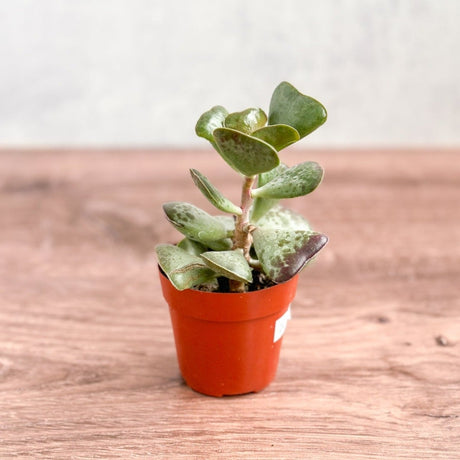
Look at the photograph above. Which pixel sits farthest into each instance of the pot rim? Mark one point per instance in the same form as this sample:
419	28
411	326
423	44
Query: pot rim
274	286
229	306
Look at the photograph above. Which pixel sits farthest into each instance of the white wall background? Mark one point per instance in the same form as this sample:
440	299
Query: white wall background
140	72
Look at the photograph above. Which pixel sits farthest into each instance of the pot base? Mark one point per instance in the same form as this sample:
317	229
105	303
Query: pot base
206	392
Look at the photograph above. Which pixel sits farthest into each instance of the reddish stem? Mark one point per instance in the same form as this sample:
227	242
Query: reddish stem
242	238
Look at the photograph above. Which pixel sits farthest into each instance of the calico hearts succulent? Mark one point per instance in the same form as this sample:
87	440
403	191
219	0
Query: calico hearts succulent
260	242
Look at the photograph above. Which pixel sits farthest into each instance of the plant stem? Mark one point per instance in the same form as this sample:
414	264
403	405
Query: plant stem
242	238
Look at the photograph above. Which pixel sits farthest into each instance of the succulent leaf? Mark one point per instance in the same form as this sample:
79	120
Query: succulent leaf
209	121
266	177
289	106
213	195
219	245
246	121
231	264
283	219
262	205
228	222
193	222
184	270
284	253
278	136
296	181
245	154
192	247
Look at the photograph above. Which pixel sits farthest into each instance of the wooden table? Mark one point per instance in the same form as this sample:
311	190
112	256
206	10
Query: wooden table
370	365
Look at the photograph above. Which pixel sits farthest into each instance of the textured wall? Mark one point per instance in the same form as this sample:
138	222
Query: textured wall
140	72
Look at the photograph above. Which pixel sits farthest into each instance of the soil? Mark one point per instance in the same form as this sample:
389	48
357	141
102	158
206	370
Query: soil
260	281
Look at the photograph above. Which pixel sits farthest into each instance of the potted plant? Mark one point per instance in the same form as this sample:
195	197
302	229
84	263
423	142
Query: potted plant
230	281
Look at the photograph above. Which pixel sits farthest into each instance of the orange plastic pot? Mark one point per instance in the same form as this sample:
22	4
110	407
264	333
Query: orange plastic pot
228	343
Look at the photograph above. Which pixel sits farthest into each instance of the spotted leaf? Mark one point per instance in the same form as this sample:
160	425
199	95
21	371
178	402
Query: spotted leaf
284	253
245	154
193	222
296	181
283	219
183	269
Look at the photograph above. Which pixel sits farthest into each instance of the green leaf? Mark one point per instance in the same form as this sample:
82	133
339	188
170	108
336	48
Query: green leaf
245	154
266	177
231	264
262	205
192	247
283	219
209	121
184	270
213	195
219	245
296	181
226	243
193	222
290	107
246	121
284	253
278	136
228	222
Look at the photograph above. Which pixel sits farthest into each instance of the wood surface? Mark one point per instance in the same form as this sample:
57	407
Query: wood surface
370	363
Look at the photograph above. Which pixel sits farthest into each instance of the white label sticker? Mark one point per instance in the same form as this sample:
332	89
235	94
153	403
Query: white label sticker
280	325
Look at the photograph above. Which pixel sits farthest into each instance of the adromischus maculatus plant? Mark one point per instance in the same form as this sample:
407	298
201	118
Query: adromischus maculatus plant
261	236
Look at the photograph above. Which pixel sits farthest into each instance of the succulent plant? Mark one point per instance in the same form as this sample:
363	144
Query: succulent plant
259	240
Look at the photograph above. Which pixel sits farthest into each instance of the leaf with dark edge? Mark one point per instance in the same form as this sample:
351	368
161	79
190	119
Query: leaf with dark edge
261	206
193	222
184	270
278	136
283	219
213	195
231	264
290	107
245	154
209	121
246	121
284	253
296	181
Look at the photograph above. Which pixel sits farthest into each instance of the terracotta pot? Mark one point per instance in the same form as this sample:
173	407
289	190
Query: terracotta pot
228	344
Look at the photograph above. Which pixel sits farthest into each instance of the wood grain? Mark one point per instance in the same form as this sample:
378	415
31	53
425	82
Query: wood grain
370	365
